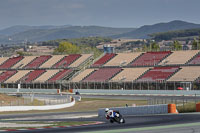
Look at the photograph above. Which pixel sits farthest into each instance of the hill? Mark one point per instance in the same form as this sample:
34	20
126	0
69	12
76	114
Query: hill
49	33
21	28
175	34
144	31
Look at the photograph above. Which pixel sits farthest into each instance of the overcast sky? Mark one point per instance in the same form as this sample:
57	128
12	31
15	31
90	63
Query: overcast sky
112	13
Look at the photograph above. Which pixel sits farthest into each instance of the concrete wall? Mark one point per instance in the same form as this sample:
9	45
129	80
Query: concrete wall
12	90
139	110
138	92
27	108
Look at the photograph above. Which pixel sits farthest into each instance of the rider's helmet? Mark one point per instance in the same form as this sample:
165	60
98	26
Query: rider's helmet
107	109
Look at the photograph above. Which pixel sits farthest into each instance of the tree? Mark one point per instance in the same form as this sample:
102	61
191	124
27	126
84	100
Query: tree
154	46
194	44
67	48
176	45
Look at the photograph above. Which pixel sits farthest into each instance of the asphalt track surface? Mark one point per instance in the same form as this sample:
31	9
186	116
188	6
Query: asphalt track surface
140	124
170	123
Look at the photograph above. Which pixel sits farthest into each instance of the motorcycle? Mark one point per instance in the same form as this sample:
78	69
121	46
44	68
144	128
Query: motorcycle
117	118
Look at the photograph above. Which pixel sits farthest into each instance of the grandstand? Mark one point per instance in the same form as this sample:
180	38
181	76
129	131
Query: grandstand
122	59
139	70
179	57
129	74
103	60
38	61
150	58
102	74
10	62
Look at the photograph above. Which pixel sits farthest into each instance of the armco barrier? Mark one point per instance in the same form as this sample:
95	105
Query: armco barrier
27	108
138	92
139	110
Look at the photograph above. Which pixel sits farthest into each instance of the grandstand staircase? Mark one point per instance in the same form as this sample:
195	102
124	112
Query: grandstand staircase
84	65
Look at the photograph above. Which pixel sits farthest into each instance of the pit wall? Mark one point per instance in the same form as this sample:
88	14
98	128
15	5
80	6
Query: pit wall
142	110
138	92
28	108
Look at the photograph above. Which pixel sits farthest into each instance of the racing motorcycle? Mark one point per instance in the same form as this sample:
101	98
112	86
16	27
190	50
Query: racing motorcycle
115	116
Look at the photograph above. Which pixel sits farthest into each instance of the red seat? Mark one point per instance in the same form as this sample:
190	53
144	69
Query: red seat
66	61
5	75
11	62
158	74
103	60
196	60
32	76
60	75
102	74
150	58
38	61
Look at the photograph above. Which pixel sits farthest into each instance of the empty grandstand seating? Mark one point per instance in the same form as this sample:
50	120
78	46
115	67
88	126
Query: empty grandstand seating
122	59
158	74
190	73
129	74
150	58
31	76
10	62
80	60
82	75
53	60
38	61
195	60
103	74
5	75
66	61
3	59
103	60
26	60
60	75
48	74
17	76
179	57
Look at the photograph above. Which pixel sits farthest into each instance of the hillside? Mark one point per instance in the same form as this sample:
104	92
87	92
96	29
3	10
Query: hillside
144	31
45	34
175	34
21	28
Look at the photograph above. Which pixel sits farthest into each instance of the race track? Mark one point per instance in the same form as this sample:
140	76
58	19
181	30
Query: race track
178	123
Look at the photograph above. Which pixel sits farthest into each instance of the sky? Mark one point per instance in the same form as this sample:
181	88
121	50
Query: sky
110	13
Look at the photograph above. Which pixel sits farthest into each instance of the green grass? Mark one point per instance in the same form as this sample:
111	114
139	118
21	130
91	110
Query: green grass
89	104
66	123
187	107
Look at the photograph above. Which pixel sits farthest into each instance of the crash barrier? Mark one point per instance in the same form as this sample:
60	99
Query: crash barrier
198	107
138	92
15	90
172	108
139	110
28	108
77	97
